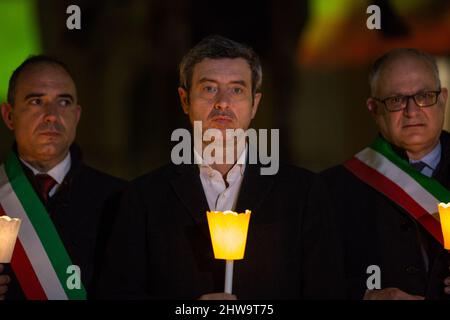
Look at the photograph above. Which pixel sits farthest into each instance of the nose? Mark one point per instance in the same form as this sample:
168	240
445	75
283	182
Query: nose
223	100
51	112
411	107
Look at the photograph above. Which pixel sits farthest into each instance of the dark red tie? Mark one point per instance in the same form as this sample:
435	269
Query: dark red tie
45	184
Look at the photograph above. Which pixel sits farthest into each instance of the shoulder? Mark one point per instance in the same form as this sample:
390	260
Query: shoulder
445	136
295	174
156	181
162	174
347	188
445	144
335	173
341	179
290	180
92	178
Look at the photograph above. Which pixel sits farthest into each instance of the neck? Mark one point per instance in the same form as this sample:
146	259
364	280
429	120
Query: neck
420	153
222	168
43	165
225	167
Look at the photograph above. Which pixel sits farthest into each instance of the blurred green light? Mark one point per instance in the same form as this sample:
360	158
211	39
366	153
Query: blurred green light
19	37
331	9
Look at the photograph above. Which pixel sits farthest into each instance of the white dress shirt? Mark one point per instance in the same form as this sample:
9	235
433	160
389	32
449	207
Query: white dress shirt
58	172
219	196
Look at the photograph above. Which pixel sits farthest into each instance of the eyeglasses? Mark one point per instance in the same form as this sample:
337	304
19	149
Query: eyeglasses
422	99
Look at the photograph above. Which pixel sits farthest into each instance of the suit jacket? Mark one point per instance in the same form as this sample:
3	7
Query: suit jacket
376	231
78	210
160	247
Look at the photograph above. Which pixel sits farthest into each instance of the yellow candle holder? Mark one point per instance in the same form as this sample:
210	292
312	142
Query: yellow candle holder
444	217
228	231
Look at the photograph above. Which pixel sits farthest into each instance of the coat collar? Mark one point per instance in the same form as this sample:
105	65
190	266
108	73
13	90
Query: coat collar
188	187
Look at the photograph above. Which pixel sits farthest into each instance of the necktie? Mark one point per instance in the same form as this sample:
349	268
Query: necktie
419	165
45	184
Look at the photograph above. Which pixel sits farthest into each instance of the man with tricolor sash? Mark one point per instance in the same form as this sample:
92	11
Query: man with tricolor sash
44	182
387	194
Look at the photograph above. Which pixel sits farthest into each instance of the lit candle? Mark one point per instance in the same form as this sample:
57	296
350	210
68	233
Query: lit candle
228	232
444	217
9	228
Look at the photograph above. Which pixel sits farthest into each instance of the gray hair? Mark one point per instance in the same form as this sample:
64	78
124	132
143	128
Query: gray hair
380	63
218	47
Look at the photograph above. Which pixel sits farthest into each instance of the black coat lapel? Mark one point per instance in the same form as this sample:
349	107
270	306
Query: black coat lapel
188	187
254	189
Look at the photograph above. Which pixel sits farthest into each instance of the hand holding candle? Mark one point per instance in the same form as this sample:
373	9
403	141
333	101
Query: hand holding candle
9	228
228	231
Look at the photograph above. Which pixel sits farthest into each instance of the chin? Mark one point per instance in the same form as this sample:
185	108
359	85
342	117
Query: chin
416	142
416	136
51	149
221	127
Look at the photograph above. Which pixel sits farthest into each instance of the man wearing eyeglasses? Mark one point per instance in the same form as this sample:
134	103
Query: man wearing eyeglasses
387	194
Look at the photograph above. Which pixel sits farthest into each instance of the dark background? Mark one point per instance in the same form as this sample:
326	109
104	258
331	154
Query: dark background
315	54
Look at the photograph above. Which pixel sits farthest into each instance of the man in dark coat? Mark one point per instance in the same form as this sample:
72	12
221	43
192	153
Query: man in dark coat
388	253
161	233
43	113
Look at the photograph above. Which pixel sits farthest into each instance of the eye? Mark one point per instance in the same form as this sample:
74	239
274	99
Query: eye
210	89
396	100
237	90
422	96
35	101
65	102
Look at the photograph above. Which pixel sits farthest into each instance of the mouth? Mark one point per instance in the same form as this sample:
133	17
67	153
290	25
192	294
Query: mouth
49	133
222	119
414	125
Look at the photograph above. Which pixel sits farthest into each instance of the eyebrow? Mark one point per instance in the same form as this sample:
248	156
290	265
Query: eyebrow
240	82
37	95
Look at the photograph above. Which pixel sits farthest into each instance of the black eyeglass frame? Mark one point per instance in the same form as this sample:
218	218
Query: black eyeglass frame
407	97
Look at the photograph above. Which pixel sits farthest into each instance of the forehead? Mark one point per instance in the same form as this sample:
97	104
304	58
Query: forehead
44	78
406	74
222	70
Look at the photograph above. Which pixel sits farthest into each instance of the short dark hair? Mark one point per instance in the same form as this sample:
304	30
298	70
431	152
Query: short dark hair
218	47
31	61
380	63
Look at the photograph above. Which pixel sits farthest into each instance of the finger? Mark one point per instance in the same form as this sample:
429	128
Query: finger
2	297
447	290
1	268
4	279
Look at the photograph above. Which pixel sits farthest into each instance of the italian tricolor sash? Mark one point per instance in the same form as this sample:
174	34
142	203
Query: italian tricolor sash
40	260
381	168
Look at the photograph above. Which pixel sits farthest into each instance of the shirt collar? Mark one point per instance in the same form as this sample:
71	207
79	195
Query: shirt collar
58	172
432	158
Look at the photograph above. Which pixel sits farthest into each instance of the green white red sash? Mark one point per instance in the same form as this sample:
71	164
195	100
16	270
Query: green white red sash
381	168
40	260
